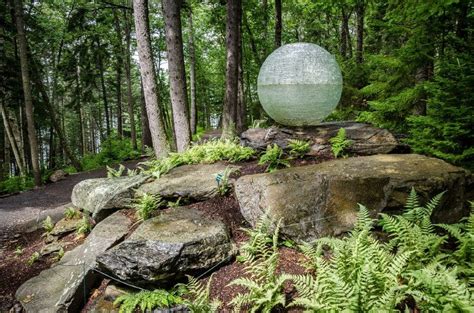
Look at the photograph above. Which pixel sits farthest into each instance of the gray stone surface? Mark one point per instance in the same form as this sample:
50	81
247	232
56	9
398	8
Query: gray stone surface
197	182
367	139
179	241
102	194
61	288
57	176
319	200
65	226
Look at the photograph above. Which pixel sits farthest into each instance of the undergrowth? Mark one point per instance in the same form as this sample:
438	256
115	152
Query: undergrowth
340	143
273	158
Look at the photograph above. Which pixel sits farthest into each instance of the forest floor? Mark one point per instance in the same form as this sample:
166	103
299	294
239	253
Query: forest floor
19	210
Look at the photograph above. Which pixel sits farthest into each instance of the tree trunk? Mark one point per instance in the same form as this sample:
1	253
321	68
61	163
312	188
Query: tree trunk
147	71
54	118
100	65
178	90
146	135
192	76
118	78
229	113
241	109
278	23
344	33
128	75
25	75
360	11
11	139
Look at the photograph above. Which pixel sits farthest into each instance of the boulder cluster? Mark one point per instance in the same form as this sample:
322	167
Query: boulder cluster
311	201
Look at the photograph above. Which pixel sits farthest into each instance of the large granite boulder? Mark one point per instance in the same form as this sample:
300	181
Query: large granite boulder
319	200
162	249
366	139
196	182
63	287
100	195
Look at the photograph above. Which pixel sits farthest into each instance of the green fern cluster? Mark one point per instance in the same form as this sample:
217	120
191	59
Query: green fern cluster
84	226
273	158
111	172
264	289
48	224
198	296
361	275
340	143
147	301
298	148
208	152
71	213
260	238
146	204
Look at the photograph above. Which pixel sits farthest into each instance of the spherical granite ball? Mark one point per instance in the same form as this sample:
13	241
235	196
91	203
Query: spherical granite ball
299	84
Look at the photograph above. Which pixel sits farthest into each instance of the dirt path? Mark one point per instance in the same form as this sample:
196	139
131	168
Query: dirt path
23	211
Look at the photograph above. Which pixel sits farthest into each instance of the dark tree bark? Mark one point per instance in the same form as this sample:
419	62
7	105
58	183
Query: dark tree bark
128	75
229	114
241	108
11	140
146	135
147	71
278	23
100	65
192	76
178	90
118	74
360	12
344	37
25	75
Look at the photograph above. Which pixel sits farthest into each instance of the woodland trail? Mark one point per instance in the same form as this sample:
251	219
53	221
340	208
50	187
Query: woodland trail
22	211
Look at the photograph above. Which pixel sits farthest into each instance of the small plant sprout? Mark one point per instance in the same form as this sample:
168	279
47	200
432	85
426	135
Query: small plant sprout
146	204
133	172
174	204
71	213
111	172
298	148
33	258
340	143
48	224
59	255
84	226
19	251
222	180
273	158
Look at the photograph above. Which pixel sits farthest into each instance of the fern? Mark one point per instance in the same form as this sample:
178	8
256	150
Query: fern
200	294
147	301
298	148
273	158
84	226
145	205
340	143
111	172
71	213
222	180
48	224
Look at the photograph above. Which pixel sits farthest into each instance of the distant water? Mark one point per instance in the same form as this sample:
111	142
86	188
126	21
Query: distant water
299	105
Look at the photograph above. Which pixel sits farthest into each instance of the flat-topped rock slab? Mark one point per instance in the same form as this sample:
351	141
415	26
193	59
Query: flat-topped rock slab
366	139
164	248
61	288
100	195
196	182
322	199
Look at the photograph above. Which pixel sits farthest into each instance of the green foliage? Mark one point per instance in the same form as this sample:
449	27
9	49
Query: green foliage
223	181
47	224
198	293
264	288
207	152
361	275
340	143
112	150
33	258
146	204
16	183
273	158
111	172
413	231
59	255
71	213
365	275
19	251
260	238
147	301
298	148
84	226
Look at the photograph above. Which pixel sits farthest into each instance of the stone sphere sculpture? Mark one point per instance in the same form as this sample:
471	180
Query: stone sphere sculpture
299	84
